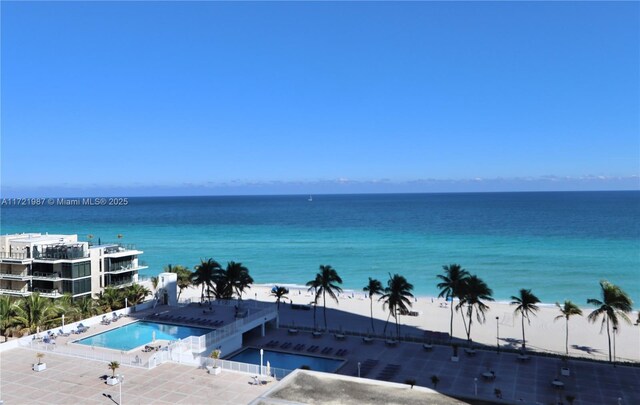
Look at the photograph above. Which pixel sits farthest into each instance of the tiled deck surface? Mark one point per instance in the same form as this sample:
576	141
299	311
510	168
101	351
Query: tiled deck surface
69	380
74	380
520	382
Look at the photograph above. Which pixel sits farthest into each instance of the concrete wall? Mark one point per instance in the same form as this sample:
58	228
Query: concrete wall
168	284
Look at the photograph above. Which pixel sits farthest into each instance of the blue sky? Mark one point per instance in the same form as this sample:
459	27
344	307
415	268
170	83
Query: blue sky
168	98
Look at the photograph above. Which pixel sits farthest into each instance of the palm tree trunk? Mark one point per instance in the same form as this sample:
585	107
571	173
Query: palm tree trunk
609	337
384	332
397	328
324	298
372	327
451	322
470	313
566	334
524	342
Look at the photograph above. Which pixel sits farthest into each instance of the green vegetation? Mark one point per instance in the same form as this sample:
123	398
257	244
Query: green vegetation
567	310
525	306
373	288
472	291
326	281
396	298
615	304
452	280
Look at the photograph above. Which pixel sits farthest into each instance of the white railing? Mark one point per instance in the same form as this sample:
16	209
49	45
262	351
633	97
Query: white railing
254	369
89	353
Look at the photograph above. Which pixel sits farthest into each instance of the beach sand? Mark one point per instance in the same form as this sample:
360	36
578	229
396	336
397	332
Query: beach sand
543	334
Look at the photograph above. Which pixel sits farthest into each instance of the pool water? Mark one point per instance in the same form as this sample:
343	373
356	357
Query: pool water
288	361
140	333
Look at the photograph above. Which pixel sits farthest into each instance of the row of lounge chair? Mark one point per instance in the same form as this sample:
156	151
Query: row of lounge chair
388	372
186	319
366	367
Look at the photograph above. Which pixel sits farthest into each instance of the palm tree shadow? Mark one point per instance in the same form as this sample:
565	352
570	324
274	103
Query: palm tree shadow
586	349
512	343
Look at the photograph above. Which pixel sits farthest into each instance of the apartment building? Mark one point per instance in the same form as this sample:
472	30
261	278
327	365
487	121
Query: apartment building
54	265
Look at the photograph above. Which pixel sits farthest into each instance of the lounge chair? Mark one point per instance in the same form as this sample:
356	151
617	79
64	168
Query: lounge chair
62	333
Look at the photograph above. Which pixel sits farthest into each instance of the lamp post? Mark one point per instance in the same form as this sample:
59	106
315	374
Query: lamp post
121	381
498	334
261	358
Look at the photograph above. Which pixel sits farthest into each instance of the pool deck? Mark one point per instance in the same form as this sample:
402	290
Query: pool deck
528	381
69	380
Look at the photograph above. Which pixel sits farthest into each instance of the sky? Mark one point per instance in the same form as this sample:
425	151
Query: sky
206	98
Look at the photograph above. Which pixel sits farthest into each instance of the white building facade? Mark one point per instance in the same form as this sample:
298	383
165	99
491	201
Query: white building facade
54	265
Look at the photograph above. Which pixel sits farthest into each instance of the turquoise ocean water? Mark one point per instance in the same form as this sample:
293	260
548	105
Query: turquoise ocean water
559	244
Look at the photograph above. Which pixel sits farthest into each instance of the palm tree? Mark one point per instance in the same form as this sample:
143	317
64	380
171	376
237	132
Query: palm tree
111	299
526	305
67	307
204	275
7	309
473	291
373	288
279	293
567	310
450	286
238	278
184	277
113	366
86	307
396	297
33	312
329	280
154	282
315	285
615	303
136	293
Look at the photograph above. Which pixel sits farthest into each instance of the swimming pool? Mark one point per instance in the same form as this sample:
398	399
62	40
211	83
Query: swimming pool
288	361
140	333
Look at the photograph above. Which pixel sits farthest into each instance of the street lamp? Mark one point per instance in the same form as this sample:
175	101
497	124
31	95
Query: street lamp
121	381
261	358
498	334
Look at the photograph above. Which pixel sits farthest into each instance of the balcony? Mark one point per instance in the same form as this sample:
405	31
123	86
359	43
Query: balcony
15	293
48	293
61	252
37	275
14	257
13	276
119	269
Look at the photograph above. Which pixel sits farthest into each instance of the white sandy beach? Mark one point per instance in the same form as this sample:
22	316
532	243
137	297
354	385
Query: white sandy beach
543	334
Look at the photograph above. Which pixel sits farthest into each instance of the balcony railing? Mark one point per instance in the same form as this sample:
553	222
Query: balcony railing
14	276
110	248
51	276
46	292
61	252
13	255
11	291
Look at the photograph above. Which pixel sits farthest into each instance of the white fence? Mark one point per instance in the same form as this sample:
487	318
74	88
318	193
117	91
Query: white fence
277	373
90	353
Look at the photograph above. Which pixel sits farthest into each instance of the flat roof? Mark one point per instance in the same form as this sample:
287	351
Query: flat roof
312	387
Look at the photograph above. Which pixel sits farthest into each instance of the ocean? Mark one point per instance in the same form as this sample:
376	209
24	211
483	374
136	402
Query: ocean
559	244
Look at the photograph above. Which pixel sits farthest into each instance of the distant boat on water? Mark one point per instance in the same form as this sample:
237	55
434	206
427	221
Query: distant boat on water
310	199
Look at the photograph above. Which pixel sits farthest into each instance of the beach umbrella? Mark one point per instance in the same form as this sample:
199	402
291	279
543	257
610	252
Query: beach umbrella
153	336
268	369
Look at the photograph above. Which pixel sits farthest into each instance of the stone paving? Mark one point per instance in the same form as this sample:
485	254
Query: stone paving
69	380
519	381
